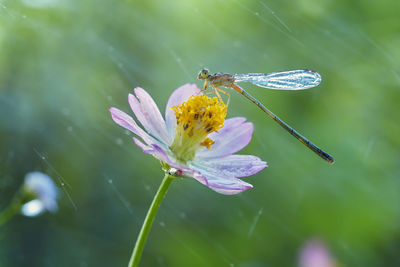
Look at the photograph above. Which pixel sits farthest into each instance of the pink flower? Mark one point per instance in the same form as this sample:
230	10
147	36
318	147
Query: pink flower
315	254
194	140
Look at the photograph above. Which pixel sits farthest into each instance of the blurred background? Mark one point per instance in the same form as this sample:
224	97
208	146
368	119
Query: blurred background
63	64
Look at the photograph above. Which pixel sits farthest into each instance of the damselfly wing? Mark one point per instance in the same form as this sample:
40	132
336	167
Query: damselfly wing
285	80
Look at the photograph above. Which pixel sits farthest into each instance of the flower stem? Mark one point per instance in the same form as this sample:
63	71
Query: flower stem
9	212
148	221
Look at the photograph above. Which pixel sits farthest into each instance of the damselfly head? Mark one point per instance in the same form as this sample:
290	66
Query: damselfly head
203	74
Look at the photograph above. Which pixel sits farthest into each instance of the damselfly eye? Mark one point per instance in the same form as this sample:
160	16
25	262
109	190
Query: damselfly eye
203	74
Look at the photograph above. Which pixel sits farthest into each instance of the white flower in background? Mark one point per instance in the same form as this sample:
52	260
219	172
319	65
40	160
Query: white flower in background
43	194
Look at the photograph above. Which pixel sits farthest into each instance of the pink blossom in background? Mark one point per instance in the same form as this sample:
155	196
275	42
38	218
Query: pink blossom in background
315	254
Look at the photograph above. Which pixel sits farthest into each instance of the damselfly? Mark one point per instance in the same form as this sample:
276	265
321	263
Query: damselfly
285	80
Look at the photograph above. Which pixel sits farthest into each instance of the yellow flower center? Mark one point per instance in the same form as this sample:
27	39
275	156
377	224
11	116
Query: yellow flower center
196	118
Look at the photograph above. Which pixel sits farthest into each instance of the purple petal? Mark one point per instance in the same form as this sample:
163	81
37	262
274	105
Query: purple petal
211	179
146	149
223	185
148	114
162	155
179	96
126	121
227	186
232	166
234	136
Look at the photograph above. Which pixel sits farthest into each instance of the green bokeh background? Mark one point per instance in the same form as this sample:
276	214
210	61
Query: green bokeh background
64	63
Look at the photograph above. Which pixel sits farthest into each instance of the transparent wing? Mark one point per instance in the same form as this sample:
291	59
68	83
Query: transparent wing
284	80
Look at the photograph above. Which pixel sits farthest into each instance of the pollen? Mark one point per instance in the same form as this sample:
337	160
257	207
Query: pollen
200	111
196	118
207	143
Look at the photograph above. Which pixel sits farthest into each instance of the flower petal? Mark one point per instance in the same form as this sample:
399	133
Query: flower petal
203	174
148	114
146	149
126	121
44	189
179	96
162	155
227	186
232	166
221	184
234	136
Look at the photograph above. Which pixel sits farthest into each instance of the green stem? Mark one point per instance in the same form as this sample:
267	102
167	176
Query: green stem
10	211
148	221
